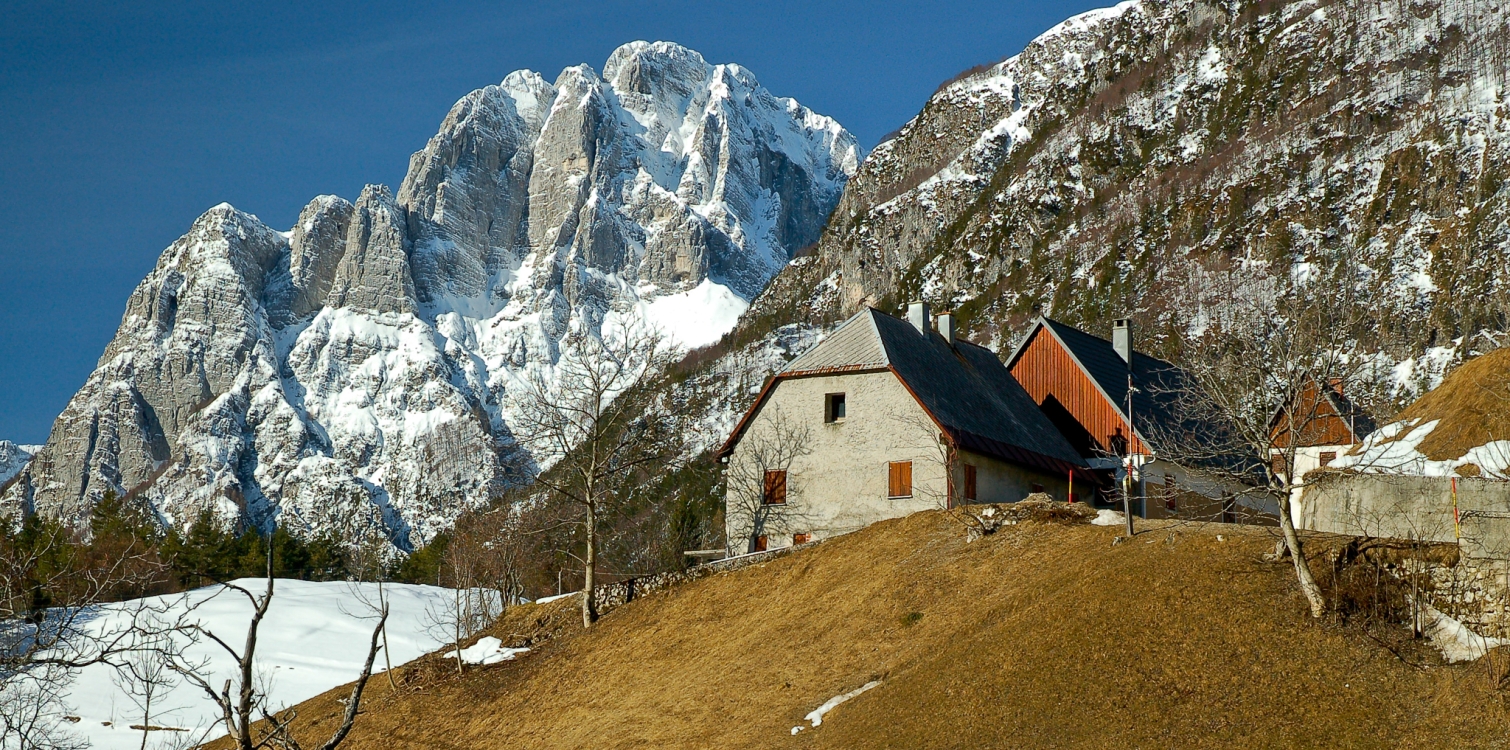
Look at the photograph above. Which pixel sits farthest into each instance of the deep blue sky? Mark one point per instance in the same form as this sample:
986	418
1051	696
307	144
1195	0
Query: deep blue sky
122	122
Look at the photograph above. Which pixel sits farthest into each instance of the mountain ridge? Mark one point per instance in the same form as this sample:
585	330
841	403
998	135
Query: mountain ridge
351	375
1131	155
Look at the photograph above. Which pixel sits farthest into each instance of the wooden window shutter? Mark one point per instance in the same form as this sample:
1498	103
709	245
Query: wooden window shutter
969	482
801	538
760	543
775	488
899	479
1327	457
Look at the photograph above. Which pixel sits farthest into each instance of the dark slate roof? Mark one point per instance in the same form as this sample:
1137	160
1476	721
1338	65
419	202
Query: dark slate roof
855	345
1160	402
1361	423
968	389
965	387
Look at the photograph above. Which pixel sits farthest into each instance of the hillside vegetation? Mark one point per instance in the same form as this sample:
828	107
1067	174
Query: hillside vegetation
1041	635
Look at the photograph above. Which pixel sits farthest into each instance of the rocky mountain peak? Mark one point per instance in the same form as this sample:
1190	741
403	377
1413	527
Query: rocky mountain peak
352	375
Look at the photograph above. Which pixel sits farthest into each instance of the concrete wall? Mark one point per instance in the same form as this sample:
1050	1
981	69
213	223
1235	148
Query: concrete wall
1307	460
1001	482
840	484
1409	507
1199	496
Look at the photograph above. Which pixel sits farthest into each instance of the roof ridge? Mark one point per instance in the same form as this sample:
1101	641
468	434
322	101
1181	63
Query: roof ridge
1108	342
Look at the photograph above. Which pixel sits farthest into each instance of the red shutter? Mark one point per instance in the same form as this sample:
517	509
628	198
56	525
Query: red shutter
775	488
969	482
801	538
899	479
760	543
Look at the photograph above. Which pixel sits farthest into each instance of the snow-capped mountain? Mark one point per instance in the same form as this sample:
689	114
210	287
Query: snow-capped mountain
355	370
1127	151
1124	153
13	458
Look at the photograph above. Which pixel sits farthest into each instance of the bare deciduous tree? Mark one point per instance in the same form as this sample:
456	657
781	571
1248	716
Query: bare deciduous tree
1258	349
242	701
762	494
468	567
50	583
145	676
586	423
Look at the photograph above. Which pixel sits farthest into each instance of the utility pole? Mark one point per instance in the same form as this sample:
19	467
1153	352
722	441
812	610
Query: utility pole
1127	479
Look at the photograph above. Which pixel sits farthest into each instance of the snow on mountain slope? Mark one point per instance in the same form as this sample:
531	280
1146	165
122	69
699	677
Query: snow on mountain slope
355	371
13	458
1129	153
313	639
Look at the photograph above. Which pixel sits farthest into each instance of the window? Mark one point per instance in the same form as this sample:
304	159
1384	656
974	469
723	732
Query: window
775	488
899	479
969	482
801	538
1170	491
1328	457
760	543
1278	462
833	407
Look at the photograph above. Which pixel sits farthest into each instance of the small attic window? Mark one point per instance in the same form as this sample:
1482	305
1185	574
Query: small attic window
833	407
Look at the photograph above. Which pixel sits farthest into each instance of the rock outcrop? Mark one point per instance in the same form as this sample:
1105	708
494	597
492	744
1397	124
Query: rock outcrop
13	458
352	374
1132	152
1107	168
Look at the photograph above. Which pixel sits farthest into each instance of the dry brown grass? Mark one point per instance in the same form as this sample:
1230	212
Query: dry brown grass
1473	403
1040	635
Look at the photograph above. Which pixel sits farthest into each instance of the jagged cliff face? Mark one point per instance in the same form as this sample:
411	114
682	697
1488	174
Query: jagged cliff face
13	458
354	372
1125	153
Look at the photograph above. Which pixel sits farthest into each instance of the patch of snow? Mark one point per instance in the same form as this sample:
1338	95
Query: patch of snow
488	650
1108	517
697	317
1210	68
314	638
1455	640
14	458
557	597
816	715
1087	20
1395	449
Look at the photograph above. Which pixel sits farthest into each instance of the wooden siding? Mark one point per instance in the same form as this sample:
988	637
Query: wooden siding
1049	374
1324	427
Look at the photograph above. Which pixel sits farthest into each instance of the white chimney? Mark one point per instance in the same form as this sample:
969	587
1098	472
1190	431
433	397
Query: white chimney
946	327
1122	339
917	315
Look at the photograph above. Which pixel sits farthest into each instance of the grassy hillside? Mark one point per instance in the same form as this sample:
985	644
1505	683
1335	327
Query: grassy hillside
1036	636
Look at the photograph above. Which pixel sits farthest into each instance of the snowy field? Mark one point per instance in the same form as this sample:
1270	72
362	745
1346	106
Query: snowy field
312	640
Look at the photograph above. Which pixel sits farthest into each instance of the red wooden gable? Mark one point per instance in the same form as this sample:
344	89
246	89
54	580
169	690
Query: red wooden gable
1070	398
